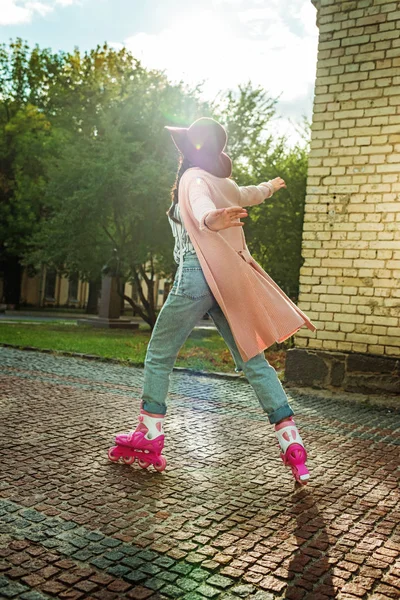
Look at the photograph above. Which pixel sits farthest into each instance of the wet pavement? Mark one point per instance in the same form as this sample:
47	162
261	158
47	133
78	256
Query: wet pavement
224	520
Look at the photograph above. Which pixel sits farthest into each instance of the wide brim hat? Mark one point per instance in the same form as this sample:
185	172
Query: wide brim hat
202	144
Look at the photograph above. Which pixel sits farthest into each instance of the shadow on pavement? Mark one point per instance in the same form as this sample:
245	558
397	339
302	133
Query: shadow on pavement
310	564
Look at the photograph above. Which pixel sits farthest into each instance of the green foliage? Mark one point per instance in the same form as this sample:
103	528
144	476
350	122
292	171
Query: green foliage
111	171
23	147
25	129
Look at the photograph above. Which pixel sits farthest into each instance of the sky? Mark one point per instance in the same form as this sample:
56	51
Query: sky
222	43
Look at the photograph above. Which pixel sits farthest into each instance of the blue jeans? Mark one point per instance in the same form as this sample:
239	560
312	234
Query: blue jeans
190	298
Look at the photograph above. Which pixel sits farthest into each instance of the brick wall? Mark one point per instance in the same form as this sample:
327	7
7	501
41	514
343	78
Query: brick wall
350	280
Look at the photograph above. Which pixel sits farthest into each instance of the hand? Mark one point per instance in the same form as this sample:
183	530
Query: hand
278	183
222	218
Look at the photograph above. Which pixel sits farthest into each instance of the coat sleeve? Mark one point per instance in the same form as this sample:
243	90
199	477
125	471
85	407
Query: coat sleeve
255	194
200	200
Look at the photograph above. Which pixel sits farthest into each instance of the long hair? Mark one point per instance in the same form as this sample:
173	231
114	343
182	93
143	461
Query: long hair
184	165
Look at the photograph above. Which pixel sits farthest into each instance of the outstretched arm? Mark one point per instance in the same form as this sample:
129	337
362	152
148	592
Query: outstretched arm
256	194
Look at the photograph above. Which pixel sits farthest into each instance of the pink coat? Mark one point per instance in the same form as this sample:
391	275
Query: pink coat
258	312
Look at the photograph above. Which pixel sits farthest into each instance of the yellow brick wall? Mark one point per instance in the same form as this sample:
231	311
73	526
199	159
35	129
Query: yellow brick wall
350	280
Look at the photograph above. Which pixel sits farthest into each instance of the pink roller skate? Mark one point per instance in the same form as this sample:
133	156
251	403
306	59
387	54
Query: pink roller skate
293	452
145	443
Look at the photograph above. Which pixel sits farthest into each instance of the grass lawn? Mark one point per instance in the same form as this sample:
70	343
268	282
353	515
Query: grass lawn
204	349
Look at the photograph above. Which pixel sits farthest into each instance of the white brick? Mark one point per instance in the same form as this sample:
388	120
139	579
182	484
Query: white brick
351	239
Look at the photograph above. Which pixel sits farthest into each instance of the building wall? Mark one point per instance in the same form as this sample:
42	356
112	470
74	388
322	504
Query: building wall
350	280
31	289
33	292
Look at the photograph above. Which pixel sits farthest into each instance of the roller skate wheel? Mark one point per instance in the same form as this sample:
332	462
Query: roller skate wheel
128	460
111	455
301	474
303	479
143	463
160	464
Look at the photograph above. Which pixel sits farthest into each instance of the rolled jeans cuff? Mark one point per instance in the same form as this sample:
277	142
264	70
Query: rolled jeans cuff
280	413
154	407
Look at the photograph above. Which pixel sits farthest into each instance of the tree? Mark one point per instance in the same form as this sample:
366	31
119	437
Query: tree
45	99
109	188
24	133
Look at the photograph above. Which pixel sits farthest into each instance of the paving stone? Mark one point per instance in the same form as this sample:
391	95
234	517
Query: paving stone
140	593
164	562
19	545
199	574
150	569
83	555
71	594
133	561
32	580
135	576
102	578
53	587
119	586
147	555
12	590
94	536
207	590
220	581
184	569
113	555
17	573
172	591
79	542
155	583
32	515
86	586
187	584
101	563
211	565
128	550
118	570
110	542
33	595
243	590
104	595
208	523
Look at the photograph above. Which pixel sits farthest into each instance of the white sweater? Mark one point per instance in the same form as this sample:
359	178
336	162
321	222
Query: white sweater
202	204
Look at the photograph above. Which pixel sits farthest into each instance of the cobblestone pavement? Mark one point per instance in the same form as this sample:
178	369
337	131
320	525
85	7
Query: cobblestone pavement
225	520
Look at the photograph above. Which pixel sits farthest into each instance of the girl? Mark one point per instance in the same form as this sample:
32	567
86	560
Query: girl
216	275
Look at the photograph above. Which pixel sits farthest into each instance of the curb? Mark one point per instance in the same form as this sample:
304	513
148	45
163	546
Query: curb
217	374
390	403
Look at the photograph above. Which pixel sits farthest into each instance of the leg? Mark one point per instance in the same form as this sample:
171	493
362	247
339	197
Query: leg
261	376
272	397
189	299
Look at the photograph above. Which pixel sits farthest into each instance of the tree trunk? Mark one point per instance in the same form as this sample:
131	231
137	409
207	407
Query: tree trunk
94	292
12	271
